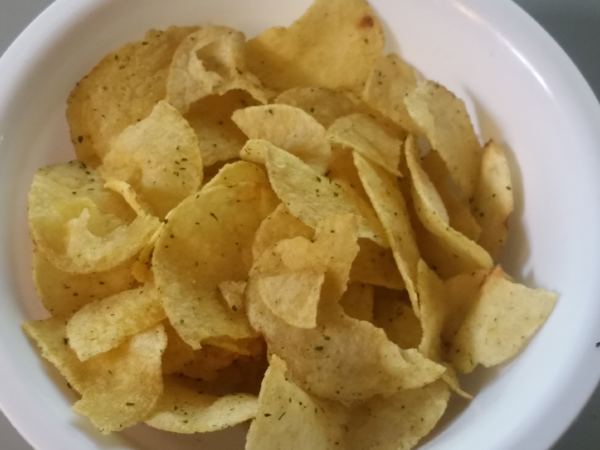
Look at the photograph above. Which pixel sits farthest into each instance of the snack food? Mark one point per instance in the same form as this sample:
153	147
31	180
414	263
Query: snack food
209	243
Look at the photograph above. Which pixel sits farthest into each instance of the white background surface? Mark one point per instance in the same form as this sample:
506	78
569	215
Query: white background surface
575	24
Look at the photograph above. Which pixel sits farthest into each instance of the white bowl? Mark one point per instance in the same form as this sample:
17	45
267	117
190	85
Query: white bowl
522	91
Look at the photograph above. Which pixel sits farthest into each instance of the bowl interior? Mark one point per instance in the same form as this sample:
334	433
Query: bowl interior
521	90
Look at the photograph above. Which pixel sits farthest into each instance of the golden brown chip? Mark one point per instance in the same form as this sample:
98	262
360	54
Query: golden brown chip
499	323
207	240
120	91
104	324
388	83
357	301
366	136
393	312
493	200
185	410
333	45
288	128
210	61
444	121
375	265
324	105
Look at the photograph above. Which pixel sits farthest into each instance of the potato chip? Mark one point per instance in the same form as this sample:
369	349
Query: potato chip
499	323
324	105
184	410
433	301
210	61
278	225
389	81
393	312
320	358
206	363
208	240
392	211
466	254
333	45
357	301
233	294
311	197
366	136
129	195
120	91
159	157
375	265
493	200
459	213
444	120
288	128
104	324
238	172
64	293
177	353
220	139
115	398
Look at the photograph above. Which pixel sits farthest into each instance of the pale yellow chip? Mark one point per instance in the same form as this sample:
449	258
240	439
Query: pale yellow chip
493	201
320	358
210	61
129	195
105	324
177	353
288	128
499	323
184	410
391	208
120	91
64	293
334	45
324	105
393	312
312	197
443	119
238	172
375	265
233	294
433	301
459	213
159	157
388	83
207	240
357	301
366	136
220	139
278	225
463	253
206	363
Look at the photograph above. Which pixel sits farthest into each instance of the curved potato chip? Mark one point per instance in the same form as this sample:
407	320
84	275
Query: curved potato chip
393	312
177	353
129	195
375	265
433	300
210	61
444	120
208	240
120	91
288	128
358	300
159	157
365	135
324	105
334	44
238	172
389	81
233	293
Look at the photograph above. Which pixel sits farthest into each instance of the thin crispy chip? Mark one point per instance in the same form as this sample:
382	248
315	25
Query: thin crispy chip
208	240
390	80
288	128
206	363
433	301
233	294
210	61
375	265
159	157
184	410
493	200
64	293
392	211
443	119
177	353
220	139
393	312
358	300
499	323
365	135
334	45
324	105
129	195
104	324
463	253
238	172
120	91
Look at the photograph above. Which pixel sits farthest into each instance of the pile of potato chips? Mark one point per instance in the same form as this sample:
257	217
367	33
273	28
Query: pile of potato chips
292	229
